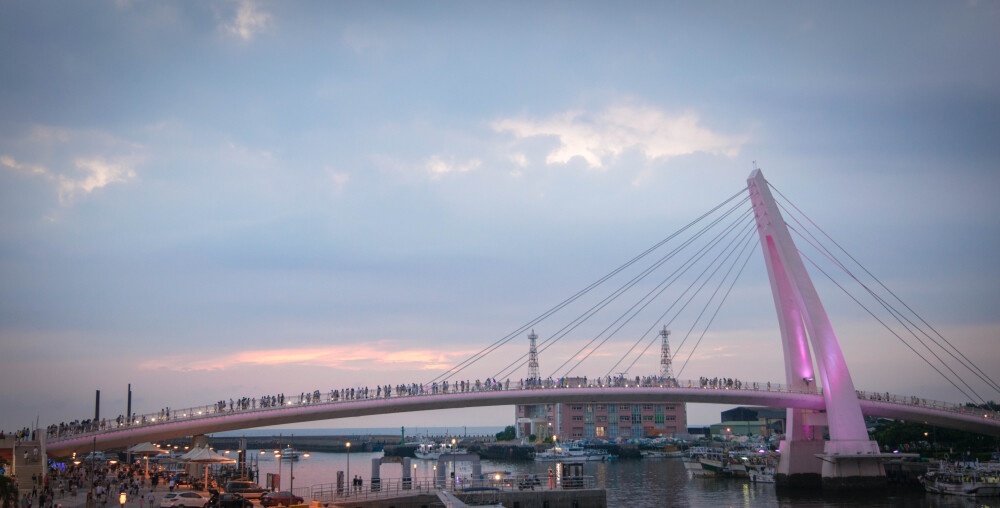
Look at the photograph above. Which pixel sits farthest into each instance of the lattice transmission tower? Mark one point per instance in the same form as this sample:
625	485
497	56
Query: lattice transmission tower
532	358
666	369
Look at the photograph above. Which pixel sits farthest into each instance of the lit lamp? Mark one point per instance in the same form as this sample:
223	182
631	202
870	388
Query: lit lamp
454	474
121	499
349	463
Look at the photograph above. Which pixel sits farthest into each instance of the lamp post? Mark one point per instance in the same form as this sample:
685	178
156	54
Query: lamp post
291	472
454	474
277	455
349	465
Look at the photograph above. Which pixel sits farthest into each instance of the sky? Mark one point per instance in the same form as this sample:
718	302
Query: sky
209	200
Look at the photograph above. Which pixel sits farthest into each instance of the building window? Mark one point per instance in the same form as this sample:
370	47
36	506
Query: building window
600	431
577	418
671	418
668	408
624	407
647	418
602	418
623	418
577	408
600	407
647	407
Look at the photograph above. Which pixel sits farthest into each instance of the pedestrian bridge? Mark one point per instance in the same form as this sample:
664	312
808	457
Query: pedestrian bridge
211	419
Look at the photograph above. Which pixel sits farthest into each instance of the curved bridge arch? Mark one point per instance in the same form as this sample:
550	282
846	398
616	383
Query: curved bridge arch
986	423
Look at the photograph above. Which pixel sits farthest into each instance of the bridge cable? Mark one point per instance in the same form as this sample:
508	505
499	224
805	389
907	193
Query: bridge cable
618	292
625	287
899	316
489	349
746	242
582	349
946	378
894	315
659	319
967	362
579	320
716	313
676	351
650	300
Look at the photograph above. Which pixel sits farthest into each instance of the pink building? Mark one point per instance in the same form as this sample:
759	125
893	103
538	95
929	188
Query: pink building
632	420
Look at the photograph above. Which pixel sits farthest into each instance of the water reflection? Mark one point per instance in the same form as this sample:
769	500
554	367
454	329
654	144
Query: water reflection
631	483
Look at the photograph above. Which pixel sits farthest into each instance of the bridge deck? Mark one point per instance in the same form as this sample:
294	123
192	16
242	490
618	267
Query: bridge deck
210	419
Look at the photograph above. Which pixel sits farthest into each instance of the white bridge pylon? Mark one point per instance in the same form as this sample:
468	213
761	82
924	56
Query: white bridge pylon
849	458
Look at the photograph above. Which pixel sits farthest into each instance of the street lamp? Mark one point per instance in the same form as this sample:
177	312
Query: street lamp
291	472
349	464
278	456
454	474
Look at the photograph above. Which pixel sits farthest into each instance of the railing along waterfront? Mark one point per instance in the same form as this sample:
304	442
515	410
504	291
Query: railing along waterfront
65	431
397	487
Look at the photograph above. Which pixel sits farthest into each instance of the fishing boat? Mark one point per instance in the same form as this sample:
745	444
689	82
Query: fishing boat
761	473
554	454
430	450
289	454
970	481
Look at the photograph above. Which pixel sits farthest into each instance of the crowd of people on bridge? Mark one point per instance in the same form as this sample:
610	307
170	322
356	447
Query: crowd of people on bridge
24	434
267	402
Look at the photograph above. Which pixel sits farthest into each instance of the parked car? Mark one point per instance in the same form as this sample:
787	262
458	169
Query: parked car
282	498
186	499
245	488
168	499
233	501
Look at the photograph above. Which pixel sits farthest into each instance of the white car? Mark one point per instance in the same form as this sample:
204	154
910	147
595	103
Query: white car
185	499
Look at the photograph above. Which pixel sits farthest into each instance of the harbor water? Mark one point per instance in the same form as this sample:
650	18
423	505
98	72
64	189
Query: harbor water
632	483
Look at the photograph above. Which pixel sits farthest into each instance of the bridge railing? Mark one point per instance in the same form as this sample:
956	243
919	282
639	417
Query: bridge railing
910	400
397	487
56	433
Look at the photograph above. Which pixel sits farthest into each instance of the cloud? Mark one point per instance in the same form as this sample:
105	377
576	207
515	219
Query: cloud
600	138
249	21
338	180
98	173
437	167
381	355
9	162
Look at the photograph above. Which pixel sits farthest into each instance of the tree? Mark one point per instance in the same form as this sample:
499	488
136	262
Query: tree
508	434
532	438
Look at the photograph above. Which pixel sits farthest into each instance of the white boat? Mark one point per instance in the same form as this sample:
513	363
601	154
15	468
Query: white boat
289	453
959	481
430	450
761	474
554	454
572	453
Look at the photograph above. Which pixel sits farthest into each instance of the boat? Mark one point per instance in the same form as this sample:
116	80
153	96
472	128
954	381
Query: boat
289	453
661	454
571	453
761	473
430	450
962	481
553	454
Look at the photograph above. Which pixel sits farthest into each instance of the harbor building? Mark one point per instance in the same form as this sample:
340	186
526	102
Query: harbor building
607	421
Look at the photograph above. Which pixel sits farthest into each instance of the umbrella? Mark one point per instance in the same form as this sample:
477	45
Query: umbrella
206	456
146	449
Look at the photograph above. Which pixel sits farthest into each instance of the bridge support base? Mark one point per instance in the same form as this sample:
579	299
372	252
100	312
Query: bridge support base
852	465
798	467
